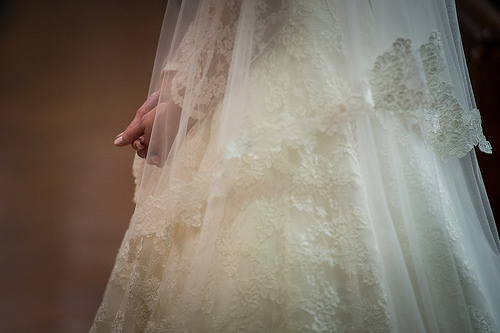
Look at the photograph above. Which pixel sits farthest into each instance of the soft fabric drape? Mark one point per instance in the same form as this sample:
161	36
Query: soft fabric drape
311	169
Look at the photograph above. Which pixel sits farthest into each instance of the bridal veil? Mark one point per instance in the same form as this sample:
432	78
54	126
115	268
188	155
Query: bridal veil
311	169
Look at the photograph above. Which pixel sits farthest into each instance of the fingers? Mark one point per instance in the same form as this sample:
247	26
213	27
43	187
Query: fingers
146	107
133	133
129	135
138	134
156	160
139	138
149	104
157	155
139	144
135	128
118	139
142	153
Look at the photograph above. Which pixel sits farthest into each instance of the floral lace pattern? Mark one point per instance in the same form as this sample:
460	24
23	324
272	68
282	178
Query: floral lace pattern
283	231
427	102
207	47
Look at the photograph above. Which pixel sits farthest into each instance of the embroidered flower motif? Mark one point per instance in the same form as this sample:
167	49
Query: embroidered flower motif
428	102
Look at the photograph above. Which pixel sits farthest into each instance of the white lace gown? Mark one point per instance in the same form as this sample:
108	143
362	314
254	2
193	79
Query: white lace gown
343	196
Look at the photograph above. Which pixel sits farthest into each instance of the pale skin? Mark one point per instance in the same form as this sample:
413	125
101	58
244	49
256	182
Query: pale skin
138	133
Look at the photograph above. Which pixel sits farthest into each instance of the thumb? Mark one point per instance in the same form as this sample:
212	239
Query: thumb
131	134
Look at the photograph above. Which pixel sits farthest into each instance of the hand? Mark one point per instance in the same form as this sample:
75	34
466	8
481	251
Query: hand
141	133
138	132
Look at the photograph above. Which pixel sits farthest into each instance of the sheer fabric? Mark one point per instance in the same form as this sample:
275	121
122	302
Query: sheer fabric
311	169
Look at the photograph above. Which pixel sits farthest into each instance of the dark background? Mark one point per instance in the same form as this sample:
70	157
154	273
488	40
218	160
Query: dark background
72	73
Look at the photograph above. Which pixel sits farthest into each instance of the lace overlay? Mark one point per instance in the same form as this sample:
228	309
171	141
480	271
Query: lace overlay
427	102
206	47
285	230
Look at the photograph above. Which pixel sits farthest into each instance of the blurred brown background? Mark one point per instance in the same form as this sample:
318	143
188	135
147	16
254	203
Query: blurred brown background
72	73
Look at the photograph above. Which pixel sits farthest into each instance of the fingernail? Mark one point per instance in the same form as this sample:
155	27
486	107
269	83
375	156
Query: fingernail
119	134
118	140
138	145
155	160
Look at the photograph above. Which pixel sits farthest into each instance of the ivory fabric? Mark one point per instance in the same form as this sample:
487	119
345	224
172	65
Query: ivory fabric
319	176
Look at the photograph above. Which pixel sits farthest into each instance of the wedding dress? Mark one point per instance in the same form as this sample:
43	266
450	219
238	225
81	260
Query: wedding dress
320	176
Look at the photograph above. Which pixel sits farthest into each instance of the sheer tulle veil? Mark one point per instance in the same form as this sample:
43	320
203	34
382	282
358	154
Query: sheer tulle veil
366	30
318	158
